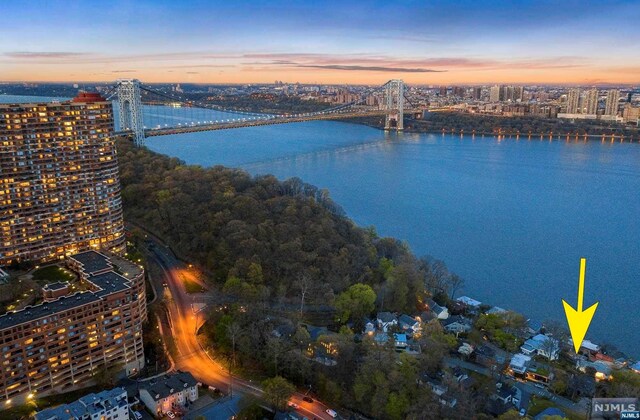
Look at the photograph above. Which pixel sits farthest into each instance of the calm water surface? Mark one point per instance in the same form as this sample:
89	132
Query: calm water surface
512	217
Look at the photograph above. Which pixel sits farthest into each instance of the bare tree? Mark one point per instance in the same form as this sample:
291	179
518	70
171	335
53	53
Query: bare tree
233	331
455	283
304	283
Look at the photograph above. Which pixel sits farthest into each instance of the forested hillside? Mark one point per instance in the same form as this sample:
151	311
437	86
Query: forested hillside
265	235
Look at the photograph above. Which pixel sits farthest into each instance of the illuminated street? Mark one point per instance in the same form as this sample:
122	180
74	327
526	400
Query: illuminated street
192	356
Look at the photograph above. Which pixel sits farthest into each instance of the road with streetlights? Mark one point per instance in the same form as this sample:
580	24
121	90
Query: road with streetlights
184	322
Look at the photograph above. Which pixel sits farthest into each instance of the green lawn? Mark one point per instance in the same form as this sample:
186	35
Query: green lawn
192	287
53	273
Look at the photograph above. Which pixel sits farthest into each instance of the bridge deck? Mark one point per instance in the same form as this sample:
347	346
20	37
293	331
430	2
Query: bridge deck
253	123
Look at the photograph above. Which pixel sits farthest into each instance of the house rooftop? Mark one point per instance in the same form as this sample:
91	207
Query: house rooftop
386	317
169	384
469	301
89	405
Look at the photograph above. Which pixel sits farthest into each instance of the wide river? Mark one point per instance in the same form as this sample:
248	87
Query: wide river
511	217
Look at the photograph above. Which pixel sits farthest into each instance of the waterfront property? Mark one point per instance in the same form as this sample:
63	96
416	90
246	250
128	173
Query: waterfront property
65	341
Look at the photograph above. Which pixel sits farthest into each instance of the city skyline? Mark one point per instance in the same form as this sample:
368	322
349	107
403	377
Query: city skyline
435	43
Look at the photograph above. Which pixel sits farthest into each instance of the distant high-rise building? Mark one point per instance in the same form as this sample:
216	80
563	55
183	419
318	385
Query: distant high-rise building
611	105
59	191
573	100
477	93
443	91
518	94
591	102
459	91
494	93
631	114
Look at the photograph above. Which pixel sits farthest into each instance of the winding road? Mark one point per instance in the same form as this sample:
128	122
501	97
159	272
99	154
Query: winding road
184	321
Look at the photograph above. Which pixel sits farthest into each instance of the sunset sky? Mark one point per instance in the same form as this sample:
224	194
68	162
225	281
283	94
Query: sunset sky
425	42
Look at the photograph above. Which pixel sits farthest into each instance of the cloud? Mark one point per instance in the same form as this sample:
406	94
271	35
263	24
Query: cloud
369	68
124	71
43	54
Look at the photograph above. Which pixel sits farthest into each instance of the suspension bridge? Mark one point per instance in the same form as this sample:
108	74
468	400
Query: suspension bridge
143	111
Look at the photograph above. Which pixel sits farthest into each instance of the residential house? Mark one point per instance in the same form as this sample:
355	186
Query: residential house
457	324
635	367
386	320
489	355
440	390
496	310
170	392
409	325
538	372
519	365
602	370
587	348
111	404
440	312
541	345
462	378
533	327
369	326
503	400
381	338
400	341
471	303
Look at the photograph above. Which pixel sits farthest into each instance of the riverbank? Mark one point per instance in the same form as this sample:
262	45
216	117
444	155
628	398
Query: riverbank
511	127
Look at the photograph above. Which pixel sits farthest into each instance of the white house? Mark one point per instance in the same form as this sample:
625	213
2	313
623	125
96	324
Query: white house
541	345
386	320
457	324
111	404
169	392
440	312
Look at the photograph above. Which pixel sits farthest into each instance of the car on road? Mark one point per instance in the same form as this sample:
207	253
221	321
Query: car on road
331	413
523	412
293	405
539	386
137	415
308	399
171	415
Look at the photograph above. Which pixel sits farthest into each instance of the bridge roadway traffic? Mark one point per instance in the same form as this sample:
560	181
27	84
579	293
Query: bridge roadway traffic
191	356
164	131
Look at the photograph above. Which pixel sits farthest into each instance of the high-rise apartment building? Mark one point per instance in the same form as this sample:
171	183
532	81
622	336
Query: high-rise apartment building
573	100
494	93
591	102
54	345
611	104
59	185
477	93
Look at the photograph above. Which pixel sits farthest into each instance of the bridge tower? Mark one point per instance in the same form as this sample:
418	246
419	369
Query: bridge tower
130	107
394	102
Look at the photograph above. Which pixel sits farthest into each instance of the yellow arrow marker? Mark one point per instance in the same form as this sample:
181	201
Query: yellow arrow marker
579	320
